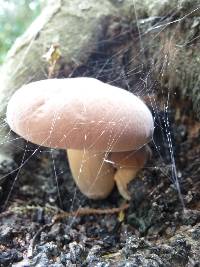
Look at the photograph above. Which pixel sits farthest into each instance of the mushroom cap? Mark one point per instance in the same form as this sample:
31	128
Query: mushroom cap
80	113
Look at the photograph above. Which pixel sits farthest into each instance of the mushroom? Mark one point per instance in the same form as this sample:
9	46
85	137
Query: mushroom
105	129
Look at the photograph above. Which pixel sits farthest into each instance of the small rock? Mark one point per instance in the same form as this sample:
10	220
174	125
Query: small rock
6	235
196	233
10	256
77	252
41	260
93	255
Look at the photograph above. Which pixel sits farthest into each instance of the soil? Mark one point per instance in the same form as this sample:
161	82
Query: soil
156	229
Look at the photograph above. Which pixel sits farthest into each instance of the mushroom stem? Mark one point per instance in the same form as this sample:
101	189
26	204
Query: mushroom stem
91	173
122	178
128	164
95	173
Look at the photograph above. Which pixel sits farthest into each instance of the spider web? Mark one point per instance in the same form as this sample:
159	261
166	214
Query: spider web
138	79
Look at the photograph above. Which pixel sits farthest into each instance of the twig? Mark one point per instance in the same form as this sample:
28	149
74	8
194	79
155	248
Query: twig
89	211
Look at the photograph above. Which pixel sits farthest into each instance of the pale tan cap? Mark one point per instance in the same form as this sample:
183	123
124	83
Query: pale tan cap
80	113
